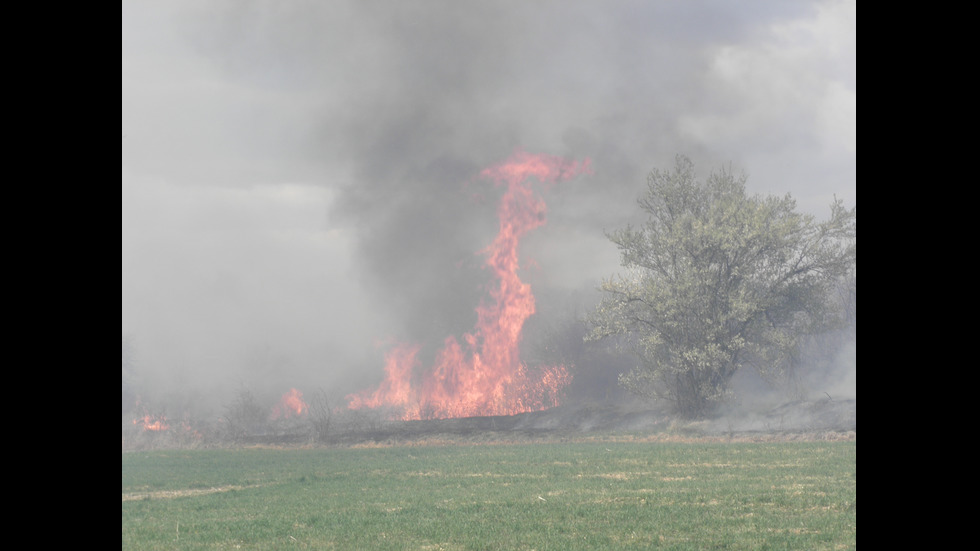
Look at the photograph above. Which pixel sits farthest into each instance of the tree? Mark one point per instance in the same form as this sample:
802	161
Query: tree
321	415
245	415
718	280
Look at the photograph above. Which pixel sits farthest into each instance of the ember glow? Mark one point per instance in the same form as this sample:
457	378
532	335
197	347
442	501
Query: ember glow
484	375
291	405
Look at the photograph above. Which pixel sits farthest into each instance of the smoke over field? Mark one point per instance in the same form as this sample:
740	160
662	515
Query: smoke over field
304	200
486	376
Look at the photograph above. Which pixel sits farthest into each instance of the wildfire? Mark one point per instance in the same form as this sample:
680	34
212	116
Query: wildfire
291	405
152	422
484	375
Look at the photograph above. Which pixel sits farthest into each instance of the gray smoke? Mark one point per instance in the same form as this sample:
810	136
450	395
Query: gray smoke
243	122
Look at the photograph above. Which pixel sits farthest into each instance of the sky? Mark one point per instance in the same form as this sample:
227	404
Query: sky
300	179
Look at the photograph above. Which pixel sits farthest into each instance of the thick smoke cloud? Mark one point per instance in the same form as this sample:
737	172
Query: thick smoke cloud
299	178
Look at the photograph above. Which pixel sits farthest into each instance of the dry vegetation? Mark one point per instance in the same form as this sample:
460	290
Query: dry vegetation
825	420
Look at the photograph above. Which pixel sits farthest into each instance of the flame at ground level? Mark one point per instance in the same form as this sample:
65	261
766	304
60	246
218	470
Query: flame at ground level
291	405
485	376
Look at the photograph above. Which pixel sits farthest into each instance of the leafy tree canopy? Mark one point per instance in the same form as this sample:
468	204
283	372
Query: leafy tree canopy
717	280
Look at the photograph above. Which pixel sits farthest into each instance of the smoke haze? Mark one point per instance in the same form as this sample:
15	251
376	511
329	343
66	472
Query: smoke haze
299	179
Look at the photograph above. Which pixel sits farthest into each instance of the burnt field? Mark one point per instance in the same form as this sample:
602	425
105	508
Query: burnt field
826	419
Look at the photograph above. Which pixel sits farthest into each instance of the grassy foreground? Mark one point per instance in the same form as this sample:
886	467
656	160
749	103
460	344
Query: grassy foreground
561	496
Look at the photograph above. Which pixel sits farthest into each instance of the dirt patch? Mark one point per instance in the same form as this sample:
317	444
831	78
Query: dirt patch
170	494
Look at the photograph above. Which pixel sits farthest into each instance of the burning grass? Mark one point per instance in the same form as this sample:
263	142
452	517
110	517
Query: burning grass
588	495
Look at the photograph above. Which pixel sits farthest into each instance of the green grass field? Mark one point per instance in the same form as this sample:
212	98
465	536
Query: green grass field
561	496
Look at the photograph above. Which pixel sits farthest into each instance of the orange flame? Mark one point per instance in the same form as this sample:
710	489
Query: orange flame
152	423
189	430
396	389
486	377
291	405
